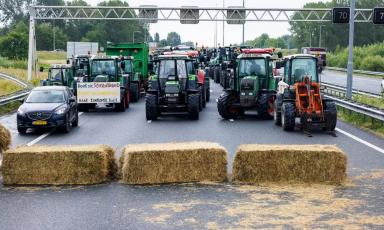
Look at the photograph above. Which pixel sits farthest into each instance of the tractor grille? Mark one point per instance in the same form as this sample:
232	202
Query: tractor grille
39	115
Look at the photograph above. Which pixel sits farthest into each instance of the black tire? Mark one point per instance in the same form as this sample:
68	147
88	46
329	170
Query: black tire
67	126
135	92
264	106
200	99
330	115
224	103
22	130
75	122
207	94
217	74
83	108
203	91
288	116
277	110
151	107
120	107
193	106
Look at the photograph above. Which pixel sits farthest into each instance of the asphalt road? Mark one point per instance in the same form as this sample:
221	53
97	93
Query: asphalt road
363	83
188	206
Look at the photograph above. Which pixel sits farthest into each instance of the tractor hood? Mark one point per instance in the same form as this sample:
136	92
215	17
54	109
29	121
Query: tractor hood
249	83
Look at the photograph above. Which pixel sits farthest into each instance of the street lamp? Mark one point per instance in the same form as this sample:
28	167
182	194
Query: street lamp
134	35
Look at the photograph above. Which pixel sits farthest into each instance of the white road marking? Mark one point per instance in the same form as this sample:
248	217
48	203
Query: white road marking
37	140
380	150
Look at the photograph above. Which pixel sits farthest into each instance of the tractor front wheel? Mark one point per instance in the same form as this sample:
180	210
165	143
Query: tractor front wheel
226	107
266	104
330	115
120	107
193	106
151	107
207	93
288	116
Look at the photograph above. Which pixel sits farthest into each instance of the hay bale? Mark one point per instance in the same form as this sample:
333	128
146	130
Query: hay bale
5	138
173	163
289	163
58	165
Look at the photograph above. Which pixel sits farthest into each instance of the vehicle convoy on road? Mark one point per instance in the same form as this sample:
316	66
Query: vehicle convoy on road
48	107
106	84
251	86
173	88
138	54
299	96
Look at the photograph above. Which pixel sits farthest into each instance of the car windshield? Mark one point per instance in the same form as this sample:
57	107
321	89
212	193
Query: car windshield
249	67
46	96
168	68
55	75
304	67
103	67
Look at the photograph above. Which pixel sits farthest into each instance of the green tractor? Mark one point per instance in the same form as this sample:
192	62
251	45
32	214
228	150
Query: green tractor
133	75
173	88
251	86
138	55
58	74
106	84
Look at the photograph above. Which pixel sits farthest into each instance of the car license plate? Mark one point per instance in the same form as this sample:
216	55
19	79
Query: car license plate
39	122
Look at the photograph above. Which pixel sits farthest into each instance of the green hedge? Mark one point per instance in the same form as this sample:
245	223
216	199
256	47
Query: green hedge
370	57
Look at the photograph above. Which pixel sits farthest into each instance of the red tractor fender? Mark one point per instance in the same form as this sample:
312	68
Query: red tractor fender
201	76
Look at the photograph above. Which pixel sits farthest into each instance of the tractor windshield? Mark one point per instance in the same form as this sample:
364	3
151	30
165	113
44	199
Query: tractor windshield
249	67
170	67
55	75
304	67
103	67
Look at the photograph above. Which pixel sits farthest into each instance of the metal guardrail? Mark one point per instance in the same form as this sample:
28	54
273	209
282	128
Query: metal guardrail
15	96
365	110
341	91
357	71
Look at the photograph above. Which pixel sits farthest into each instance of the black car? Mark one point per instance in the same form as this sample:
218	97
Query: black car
48	107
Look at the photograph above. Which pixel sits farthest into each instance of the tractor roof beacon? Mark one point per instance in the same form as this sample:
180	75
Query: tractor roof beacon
173	87
251	86
299	97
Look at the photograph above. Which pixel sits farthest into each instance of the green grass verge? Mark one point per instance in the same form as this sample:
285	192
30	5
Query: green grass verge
372	101
8	87
358	120
10	107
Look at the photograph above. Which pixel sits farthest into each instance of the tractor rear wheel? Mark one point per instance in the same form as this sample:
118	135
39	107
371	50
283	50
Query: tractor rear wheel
226	108
277	110
193	106
288	116
204	95
135	92
217	74
330	115
151	107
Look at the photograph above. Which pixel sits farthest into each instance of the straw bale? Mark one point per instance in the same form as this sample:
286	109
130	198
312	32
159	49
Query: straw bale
289	163
58	165
173	163
5	138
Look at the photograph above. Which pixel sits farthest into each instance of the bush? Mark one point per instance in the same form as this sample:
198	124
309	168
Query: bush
369	57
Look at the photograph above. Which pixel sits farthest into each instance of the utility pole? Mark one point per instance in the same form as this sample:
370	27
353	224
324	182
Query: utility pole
243	24
54	39
223	23
350	54
321	26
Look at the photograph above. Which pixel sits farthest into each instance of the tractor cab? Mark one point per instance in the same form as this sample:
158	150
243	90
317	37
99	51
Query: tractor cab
59	75
104	70
173	87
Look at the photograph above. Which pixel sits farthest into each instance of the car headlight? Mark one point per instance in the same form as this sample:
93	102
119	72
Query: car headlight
20	112
60	110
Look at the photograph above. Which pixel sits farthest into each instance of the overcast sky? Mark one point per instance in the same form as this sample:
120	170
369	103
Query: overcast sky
203	33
